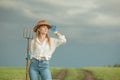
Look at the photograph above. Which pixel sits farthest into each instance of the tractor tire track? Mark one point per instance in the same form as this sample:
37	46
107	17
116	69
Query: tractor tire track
88	75
61	75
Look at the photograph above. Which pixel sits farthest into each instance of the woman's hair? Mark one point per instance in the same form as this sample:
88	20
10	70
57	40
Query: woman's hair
35	40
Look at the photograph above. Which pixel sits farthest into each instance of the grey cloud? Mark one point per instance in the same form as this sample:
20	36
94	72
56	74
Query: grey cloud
109	7
65	15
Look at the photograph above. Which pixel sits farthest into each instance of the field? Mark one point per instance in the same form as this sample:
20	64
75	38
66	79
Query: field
105	73
19	73
94	73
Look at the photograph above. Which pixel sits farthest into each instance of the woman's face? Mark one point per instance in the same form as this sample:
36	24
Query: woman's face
43	29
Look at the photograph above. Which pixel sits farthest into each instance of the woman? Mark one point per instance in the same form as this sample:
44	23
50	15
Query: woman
42	48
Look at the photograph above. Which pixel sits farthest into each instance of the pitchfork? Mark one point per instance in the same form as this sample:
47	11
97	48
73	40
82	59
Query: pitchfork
28	34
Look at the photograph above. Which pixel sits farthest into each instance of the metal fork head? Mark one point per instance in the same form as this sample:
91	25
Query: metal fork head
28	33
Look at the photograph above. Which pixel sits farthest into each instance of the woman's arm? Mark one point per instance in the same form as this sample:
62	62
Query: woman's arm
61	38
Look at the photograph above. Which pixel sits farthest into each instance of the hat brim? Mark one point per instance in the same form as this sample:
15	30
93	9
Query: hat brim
37	26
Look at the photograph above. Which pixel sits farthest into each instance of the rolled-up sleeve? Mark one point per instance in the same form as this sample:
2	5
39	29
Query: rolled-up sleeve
60	40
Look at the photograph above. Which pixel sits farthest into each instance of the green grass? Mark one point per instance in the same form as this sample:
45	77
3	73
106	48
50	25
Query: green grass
12	74
19	73
55	72
100	73
74	74
105	73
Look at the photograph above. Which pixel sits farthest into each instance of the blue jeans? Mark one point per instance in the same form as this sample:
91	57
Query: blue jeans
39	68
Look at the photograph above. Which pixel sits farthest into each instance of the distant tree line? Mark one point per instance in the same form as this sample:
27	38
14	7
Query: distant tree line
116	65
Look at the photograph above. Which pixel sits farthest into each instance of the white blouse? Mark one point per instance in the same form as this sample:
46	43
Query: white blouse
43	50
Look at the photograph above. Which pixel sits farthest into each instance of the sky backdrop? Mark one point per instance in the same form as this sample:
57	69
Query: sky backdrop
92	29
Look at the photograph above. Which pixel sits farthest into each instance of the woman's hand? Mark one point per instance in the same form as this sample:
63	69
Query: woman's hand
54	29
28	56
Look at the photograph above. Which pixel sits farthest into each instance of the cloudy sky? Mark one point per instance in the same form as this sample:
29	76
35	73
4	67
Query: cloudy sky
92	29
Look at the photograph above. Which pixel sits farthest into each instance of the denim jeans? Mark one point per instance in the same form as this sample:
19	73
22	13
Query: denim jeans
39	69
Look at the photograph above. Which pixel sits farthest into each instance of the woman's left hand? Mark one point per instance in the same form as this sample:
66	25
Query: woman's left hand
54	29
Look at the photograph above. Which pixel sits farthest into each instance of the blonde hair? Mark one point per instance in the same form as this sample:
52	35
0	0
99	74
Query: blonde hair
35	40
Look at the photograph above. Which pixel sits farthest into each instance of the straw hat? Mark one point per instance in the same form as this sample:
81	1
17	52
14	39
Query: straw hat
41	23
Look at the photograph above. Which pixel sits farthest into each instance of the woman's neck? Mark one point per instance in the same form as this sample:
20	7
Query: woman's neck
42	37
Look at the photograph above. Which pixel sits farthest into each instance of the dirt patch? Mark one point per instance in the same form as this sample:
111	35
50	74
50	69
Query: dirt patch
61	75
88	75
